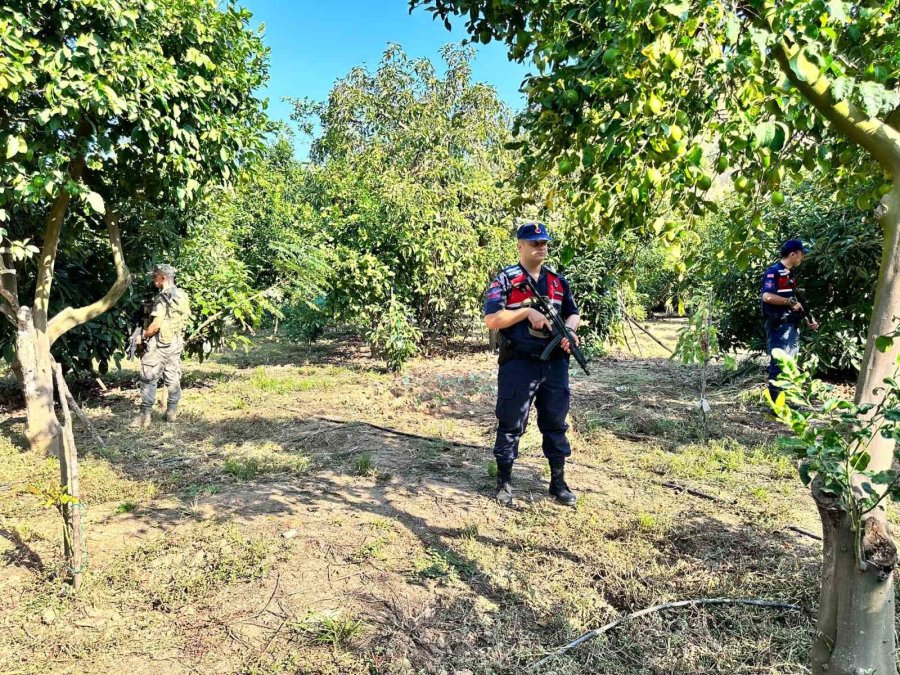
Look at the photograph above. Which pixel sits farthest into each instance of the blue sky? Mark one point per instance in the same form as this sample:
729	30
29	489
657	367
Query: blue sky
315	42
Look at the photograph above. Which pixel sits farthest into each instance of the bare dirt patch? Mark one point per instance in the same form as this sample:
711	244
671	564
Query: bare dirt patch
311	513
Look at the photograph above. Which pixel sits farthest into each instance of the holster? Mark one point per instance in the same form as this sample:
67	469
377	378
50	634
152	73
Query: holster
505	349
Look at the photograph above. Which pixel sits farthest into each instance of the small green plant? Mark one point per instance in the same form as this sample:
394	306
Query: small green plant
371	550
364	465
126	507
333	628
243	468
831	436
198	490
442	564
395	337
492	468
646	521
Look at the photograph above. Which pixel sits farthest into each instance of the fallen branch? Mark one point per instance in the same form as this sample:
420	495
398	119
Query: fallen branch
771	604
405	434
800	530
672	485
647	332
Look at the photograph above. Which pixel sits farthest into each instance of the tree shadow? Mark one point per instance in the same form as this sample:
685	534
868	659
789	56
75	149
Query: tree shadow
22	554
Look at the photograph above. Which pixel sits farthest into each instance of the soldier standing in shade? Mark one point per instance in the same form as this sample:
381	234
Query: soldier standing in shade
523	377
164	342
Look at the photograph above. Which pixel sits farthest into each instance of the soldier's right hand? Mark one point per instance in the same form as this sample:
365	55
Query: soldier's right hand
796	307
538	321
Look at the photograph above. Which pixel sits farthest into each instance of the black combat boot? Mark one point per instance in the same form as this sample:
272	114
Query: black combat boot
504	489
558	487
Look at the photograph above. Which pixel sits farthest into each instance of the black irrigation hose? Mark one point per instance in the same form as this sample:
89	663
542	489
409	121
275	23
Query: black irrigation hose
772	604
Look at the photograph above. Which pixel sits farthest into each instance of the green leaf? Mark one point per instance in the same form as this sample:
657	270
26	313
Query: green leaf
803	68
12	147
841	88
764	134
732	28
803	470
96	202
883	343
678	9
836	10
860	461
761	40
780	136
883	477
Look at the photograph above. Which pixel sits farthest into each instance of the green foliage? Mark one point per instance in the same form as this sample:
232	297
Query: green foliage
832	436
305	322
335	629
597	294
395	336
155	96
406	179
641	106
364	465
120	110
638	274
249	251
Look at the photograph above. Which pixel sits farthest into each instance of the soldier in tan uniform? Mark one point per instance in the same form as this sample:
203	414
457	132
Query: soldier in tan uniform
164	342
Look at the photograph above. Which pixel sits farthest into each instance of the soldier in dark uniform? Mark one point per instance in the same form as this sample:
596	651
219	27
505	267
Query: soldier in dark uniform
781	309
523	377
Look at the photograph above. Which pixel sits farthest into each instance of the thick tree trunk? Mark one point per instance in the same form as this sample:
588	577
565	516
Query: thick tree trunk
856	604
33	356
856	607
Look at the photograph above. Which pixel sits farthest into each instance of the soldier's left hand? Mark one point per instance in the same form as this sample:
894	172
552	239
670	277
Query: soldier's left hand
813	325
567	348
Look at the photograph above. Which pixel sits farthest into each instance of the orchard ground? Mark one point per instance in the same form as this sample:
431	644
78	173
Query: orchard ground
274	529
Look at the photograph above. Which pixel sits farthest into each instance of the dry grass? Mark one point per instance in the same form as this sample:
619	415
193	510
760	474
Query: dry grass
261	534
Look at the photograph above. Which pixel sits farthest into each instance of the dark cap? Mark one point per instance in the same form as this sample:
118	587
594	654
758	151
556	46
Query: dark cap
792	245
533	232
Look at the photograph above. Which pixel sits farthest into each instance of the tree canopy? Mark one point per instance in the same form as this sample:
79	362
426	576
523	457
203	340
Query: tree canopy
644	104
407	177
112	110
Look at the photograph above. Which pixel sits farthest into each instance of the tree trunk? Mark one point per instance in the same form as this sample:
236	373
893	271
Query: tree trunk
856	604
33	360
856	608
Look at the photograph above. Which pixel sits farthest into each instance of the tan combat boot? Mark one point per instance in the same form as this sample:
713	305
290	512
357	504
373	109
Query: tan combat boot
142	421
171	413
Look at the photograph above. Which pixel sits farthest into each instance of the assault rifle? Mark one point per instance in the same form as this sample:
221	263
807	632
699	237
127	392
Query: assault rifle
132	345
560	329
139	320
805	312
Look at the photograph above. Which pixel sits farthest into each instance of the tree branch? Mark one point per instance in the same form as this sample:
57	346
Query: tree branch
879	139
771	604
10	307
51	236
70	317
10	288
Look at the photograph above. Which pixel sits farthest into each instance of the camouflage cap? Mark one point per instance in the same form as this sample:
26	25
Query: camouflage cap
165	270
